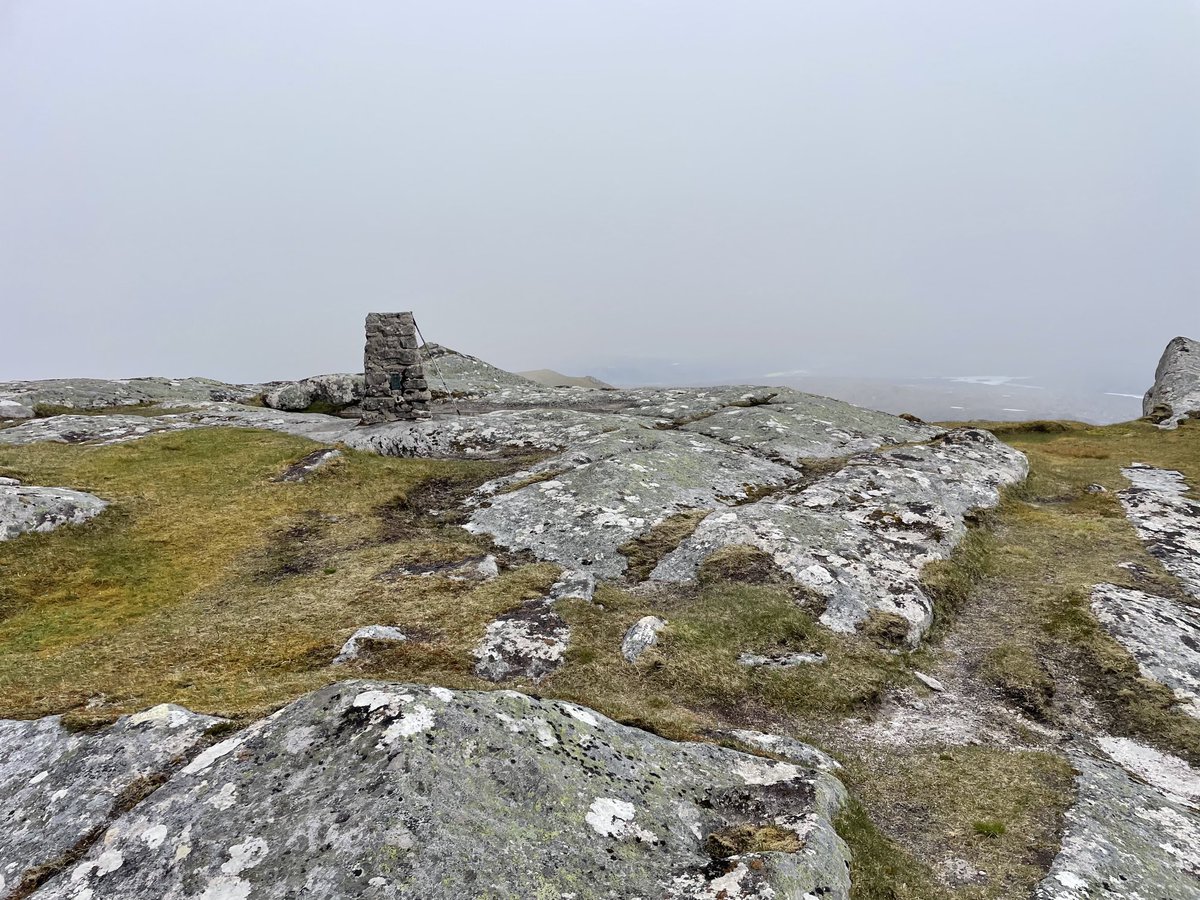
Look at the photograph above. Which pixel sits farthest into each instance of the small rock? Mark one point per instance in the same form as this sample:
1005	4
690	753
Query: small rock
781	660
9	482
641	636
1094	488
574	584
302	468
527	642
352	648
929	681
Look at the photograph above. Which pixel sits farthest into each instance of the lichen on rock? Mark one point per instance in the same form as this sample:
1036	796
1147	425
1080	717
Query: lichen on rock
367	789
30	508
57	787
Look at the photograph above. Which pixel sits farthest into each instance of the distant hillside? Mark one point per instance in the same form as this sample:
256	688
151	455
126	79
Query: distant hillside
550	378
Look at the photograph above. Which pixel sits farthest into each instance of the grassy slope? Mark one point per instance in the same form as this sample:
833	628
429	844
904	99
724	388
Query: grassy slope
209	585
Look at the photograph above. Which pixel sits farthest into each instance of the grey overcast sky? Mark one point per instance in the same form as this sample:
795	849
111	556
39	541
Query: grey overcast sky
226	187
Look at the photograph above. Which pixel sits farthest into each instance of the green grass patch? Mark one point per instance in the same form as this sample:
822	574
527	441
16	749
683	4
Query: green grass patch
934	804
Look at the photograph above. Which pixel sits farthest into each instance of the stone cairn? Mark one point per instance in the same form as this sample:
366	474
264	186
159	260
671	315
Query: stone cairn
396	386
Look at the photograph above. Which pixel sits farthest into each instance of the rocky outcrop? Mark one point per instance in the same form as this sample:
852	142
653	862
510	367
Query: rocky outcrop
18	399
29	508
117	429
861	536
366	636
1134	831
1161	634
621	463
59	788
367	789
326	390
1175	394
1166	519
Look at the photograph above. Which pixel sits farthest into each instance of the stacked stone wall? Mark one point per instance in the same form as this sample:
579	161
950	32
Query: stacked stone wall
395	379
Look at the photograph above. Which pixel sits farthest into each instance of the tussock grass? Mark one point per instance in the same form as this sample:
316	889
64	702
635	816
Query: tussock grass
934	802
647	550
1056	541
208	584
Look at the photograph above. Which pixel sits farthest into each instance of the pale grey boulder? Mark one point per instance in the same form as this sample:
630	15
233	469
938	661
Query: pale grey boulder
641	636
297	396
376	790
352	649
1175	394
59	787
528	642
1132	834
29	508
1161	634
861	536
531	640
1166	519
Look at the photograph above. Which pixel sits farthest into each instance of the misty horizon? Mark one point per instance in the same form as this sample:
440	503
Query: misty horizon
864	190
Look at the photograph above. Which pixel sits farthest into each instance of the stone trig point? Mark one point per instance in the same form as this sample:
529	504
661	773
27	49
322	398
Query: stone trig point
396	386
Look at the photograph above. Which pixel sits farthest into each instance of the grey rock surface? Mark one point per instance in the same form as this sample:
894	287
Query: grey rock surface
1167	520
352	649
116	429
641	636
1132	834
375	790
612	487
18	398
25	508
297	396
1161	634
1175	393
787	747
57	787
860	536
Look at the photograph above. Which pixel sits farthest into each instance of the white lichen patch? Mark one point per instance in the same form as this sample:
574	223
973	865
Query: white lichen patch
154	835
246	855
213	753
225	798
613	818
754	771
413	721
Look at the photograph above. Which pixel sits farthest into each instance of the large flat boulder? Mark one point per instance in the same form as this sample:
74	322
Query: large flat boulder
377	790
59	788
25	508
1175	394
18	399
